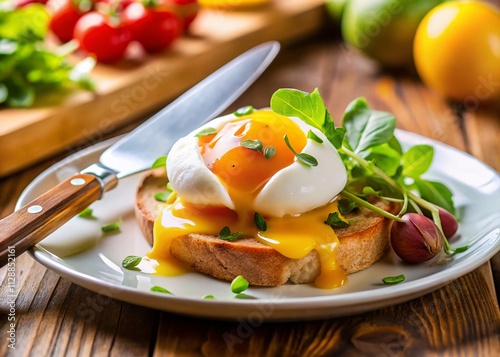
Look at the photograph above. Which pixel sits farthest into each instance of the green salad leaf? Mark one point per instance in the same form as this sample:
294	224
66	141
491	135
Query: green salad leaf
374	159
28	67
366	128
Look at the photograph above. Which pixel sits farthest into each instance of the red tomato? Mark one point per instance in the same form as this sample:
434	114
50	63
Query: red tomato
21	3
154	28
65	14
97	36
118	5
187	9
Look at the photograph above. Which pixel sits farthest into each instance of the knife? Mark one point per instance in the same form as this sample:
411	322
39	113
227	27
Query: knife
134	153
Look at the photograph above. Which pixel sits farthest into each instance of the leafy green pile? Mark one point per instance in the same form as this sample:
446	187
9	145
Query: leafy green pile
27	66
375	161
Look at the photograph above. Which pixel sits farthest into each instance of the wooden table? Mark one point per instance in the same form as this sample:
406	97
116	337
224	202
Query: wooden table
460	319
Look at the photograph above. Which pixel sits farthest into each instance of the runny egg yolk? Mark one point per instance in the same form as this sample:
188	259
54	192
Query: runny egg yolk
244	172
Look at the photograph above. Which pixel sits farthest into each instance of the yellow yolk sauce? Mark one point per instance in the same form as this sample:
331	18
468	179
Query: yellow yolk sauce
244	172
241	168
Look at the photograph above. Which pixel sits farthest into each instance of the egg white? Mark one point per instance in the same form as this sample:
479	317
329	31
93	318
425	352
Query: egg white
293	190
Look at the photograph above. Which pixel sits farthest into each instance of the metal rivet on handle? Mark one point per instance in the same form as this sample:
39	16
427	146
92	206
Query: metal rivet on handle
35	209
77	181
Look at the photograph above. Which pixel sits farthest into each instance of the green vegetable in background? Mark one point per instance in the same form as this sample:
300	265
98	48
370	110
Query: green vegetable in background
27	66
336	8
384	29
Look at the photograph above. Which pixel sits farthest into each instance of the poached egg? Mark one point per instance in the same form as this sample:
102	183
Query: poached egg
218	181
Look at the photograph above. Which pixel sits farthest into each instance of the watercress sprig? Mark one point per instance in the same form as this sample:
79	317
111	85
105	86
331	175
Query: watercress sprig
373	156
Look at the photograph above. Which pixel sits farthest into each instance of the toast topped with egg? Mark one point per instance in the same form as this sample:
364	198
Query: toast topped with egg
285	195
364	242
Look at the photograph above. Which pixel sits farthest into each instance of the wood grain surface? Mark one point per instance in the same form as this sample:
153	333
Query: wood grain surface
57	318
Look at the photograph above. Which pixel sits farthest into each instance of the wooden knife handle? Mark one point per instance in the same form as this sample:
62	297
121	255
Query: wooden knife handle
35	221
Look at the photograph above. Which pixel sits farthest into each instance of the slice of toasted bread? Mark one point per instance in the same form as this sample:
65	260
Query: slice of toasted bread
364	242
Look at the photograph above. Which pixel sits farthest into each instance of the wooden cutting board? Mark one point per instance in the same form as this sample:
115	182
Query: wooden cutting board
142	83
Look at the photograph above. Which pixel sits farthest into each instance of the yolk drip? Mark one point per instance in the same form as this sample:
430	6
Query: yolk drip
244	172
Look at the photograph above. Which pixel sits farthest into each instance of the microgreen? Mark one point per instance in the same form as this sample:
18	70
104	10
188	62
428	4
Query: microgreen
87	213
206	132
255	145
169	187
417	160
160	289
460	249
314	137
246	110
162	196
225	234
366	128
208	297
310	108
390	280
346	205
333	220
437	193
303	158
239	284
372	156
159	162
368	190
131	261
269	152
114	227
260	222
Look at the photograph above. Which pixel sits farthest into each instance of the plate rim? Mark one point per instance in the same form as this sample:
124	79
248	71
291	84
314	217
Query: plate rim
395	293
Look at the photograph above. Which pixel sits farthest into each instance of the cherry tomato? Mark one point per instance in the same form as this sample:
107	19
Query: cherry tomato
457	51
154	28
65	14
117	5
186	9
21	3
98	36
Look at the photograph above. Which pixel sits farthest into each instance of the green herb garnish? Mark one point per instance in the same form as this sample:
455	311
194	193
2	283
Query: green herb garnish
159	289
393	279
372	155
255	145
113	227
314	137
162	196
131	261
169	187
260	222
460	249
346	206
225	234
159	162
333	220
243	111
303	158
206	132
87	213
269	152
208	297
239	284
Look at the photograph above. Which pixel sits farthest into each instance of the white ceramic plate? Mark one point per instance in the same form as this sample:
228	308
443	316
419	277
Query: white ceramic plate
95	262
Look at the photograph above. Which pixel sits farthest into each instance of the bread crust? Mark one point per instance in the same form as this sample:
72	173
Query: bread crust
364	242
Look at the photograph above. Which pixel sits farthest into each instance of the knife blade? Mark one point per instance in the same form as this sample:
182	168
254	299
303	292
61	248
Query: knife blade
133	153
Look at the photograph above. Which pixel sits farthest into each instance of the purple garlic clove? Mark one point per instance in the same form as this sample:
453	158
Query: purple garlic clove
416	239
